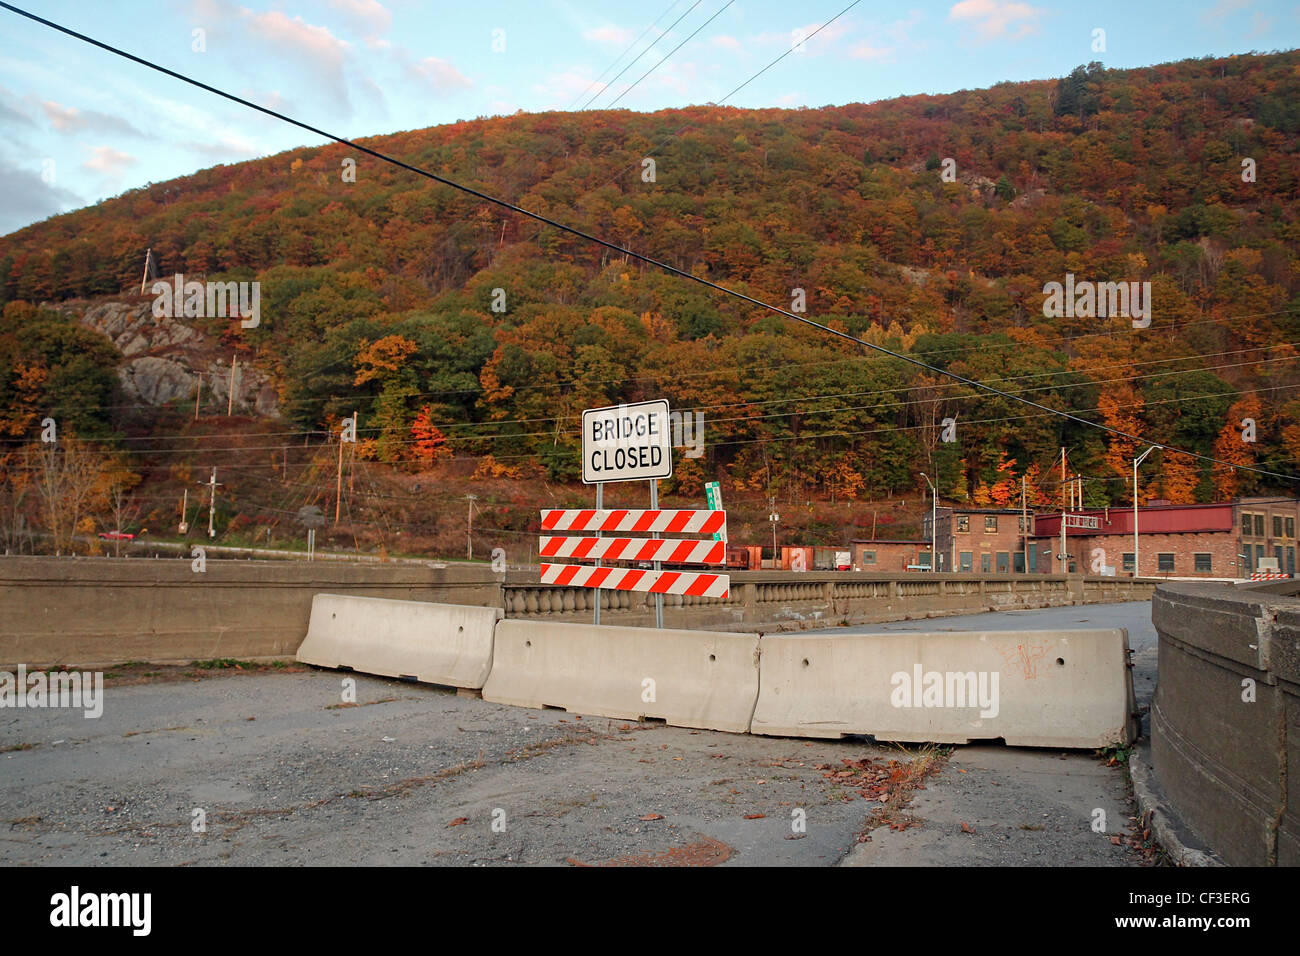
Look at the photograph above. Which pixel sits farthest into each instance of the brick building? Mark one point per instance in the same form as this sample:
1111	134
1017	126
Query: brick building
984	540
892	554
1224	540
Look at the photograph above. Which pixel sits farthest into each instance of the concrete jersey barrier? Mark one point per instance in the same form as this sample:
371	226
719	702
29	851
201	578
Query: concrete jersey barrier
447	644
701	679
1069	688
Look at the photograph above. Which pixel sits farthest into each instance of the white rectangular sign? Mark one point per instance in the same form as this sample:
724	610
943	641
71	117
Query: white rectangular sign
626	443
1087	522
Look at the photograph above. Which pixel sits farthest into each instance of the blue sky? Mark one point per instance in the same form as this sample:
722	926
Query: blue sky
78	124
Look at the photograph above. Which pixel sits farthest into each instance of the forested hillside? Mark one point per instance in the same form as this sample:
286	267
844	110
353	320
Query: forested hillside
378	295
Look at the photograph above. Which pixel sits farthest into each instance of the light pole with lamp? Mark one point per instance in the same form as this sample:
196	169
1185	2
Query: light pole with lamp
1137	461
934	527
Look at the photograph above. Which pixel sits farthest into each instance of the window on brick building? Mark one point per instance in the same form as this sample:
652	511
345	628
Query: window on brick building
1245	525
1277	526
963	522
868	557
1260	553
990	522
1259	526
984	563
1004	562
1290	527
1165	561
1128	560
1023	524
966	560
1290	560
1202	562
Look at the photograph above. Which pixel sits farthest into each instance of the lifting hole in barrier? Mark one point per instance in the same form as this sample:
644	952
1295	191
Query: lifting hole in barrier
713	657
528	643
461	629
1060	662
805	662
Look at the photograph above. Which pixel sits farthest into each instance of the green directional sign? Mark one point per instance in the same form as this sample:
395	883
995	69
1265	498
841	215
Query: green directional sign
713	495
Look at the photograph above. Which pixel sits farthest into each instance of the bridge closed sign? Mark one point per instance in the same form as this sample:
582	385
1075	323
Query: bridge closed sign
627	443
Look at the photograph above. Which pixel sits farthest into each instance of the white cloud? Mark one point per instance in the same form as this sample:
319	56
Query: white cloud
865	51
614	36
271	99
313	46
440	74
69	119
11	112
226	149
998	18
370	15
561	89
726	42
29	198
820	43
1226	7
108	161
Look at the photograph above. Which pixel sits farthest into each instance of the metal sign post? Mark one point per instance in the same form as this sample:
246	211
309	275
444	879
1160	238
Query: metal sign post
659	598
600	506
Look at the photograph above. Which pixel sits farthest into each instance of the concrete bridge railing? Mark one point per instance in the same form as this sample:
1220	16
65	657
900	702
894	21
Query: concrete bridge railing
781	600
103	610
1225	722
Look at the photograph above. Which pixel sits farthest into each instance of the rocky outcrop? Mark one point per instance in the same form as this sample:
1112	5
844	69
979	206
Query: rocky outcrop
165	359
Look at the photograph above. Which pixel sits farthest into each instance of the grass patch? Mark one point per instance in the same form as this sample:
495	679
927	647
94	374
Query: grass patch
222	663
1115	755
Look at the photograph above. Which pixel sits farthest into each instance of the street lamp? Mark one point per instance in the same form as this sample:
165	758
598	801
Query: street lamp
934	528
1137	461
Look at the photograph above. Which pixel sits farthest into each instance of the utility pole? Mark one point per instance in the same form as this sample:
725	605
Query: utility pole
352	455
145	278
212	502
234	367
198	392
1137	461
1065	567
934	528
1024	528
774	518
338	483
469	528
185	508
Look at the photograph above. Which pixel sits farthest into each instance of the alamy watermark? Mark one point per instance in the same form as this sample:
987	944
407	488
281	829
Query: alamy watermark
950	689
686	430
1088	300
75	908
55	689
193	299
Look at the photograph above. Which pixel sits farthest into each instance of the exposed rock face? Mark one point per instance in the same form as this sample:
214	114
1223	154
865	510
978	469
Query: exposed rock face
156	381
164	359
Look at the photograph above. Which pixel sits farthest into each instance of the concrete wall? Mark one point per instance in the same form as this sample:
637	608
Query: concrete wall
1221	757
102	610
88	611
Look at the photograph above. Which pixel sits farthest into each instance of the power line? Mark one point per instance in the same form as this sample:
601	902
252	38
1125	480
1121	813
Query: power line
626	51
610	104
614	246
1056	386
642	53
